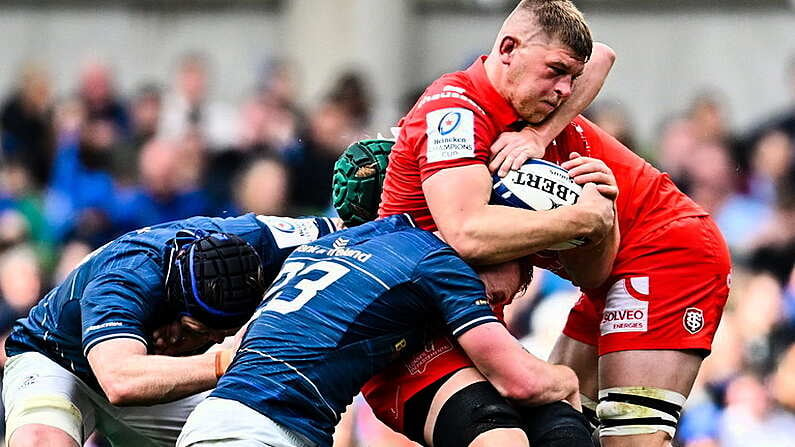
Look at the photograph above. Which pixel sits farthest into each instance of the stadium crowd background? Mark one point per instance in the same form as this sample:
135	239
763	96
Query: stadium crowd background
94	144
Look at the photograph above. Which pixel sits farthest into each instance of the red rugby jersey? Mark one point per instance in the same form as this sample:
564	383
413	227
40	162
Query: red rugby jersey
647	198
460	115
453	124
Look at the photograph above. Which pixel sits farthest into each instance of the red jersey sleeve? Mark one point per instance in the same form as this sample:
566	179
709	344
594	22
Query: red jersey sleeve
449	132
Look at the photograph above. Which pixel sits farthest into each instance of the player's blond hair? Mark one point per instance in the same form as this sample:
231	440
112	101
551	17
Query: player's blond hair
562	20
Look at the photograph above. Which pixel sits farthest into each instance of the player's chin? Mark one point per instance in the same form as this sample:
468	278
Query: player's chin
538	115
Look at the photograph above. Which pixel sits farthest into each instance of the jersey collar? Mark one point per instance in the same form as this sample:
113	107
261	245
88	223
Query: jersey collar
493	103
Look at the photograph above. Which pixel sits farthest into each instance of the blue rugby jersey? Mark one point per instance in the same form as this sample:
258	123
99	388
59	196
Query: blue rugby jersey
341	309
118	290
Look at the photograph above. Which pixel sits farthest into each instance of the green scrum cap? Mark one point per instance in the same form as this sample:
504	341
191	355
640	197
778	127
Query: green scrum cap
358	178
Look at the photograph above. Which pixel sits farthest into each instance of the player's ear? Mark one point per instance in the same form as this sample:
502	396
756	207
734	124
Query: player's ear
508	45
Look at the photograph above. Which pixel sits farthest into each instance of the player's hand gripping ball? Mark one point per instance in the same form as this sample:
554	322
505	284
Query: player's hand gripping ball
538	185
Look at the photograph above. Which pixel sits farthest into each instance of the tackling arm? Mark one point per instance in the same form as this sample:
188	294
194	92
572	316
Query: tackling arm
514	372
129	376
586	88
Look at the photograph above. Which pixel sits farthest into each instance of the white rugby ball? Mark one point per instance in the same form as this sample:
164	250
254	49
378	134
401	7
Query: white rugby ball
538	185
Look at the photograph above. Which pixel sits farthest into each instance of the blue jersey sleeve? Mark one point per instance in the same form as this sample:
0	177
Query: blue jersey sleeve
287	233
119	304
455	289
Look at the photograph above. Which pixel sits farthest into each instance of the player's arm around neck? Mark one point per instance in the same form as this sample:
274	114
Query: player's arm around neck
129	376
488	234
514	372
512	149
586	87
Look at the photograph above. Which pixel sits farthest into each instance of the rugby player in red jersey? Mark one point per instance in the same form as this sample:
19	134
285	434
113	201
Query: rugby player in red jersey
637	339
645	321
438	173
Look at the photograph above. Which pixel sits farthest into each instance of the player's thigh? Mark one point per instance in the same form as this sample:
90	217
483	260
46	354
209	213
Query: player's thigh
38	393
666	369
467	410
642	394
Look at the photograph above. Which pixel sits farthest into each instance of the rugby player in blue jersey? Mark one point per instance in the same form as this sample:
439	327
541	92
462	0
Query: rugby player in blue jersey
343	308
129	327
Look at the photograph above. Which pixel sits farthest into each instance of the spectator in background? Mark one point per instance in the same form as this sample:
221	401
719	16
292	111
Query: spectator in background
704	123
774	247
279	86
352	92
21	283
709	123
676	143
771	162
332	128
614	119
26	120
100	101
266	128
20	206
80	199
712	184
262	188
169	189
145	114
751	418
187	107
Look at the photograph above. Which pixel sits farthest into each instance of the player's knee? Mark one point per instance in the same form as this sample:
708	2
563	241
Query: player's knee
470	412
633	411
33	435
556	424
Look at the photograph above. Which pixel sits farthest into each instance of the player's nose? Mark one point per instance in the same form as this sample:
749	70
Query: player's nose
563	87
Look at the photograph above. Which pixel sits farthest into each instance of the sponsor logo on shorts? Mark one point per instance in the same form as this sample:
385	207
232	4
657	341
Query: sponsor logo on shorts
29	380
623	312
693	320
419	363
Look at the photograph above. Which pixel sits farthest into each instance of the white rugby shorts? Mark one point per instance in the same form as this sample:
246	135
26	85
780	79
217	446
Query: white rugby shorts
229	423
36	390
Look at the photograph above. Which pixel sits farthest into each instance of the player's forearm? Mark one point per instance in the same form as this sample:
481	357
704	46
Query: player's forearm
498	234
552	384
589	267
586	88
151	379
515	373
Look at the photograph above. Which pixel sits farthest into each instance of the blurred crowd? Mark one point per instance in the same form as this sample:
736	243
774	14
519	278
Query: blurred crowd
78	168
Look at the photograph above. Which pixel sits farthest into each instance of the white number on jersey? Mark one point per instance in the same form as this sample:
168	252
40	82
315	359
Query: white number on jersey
308	287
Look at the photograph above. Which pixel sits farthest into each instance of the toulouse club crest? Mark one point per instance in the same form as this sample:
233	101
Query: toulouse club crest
693	320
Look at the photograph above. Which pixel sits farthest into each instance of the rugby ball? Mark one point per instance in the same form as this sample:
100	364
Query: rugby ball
538	185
